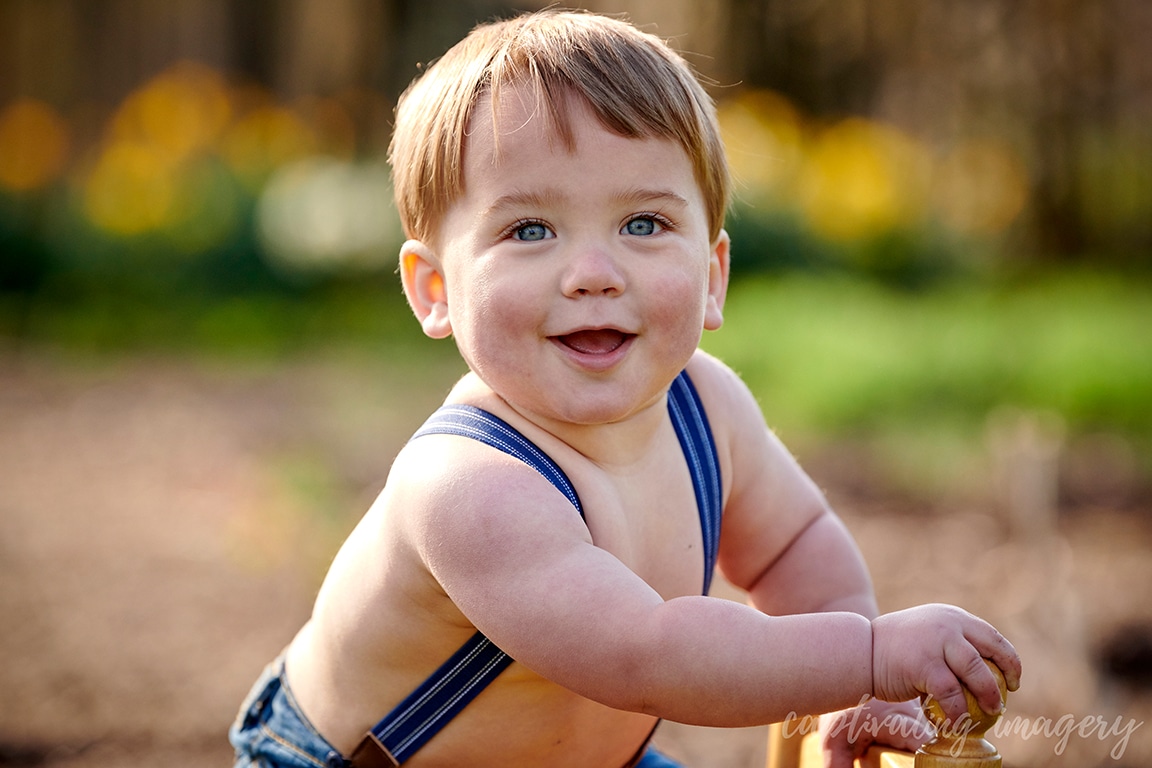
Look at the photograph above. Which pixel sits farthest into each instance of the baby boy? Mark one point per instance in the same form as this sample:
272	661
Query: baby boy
530	587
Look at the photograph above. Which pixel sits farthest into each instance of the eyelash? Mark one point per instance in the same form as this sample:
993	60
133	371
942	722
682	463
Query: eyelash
516	226
664	223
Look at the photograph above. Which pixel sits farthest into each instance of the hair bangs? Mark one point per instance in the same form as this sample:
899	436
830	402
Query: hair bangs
633	82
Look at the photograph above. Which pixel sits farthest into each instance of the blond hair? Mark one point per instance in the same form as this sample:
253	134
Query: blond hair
636	85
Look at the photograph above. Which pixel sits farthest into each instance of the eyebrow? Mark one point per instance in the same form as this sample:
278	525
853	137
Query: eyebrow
643	195
543	199
555	197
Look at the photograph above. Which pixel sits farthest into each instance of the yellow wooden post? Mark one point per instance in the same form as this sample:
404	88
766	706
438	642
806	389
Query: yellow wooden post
784	747
962	744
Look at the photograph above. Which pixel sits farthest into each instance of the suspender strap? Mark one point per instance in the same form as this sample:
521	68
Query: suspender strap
695	435
458	681
440	698
467	421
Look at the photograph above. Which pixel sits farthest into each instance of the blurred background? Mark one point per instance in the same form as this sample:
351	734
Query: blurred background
942	296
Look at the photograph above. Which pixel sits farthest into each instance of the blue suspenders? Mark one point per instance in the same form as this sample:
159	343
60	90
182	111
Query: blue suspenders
459	680
691	424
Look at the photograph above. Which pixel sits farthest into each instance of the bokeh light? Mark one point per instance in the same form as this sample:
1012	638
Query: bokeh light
326	214
764	136
980	187
130	189
183	152
862	179
268	137
190	154
154	172
181	111
35	141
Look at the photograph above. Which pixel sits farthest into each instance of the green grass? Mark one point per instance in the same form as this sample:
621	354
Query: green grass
268	326
825	356
916	377
919	378
838	357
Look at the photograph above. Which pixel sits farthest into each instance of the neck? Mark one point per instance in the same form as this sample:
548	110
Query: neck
615	444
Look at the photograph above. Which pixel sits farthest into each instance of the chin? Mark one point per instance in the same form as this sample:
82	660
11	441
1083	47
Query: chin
592	411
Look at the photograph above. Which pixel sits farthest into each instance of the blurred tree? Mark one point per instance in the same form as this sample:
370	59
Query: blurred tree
1080	90
1064	85
823	56
422	30
1067	83
254	47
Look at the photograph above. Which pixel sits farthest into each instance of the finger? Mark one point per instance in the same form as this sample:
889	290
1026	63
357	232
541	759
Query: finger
942	686
969	667
1004	656
994	646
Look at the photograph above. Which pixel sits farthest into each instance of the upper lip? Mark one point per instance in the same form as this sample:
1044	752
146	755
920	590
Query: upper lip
583	328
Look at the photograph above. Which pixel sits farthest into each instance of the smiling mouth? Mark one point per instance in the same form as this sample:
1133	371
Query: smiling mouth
600	341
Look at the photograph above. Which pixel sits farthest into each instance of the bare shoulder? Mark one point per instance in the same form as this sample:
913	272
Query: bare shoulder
734	415
514	556
484	524
726	397
463	502
768	496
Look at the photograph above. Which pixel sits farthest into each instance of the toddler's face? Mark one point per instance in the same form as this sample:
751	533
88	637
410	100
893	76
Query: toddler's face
578	282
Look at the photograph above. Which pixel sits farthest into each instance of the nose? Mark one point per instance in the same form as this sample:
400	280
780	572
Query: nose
593	271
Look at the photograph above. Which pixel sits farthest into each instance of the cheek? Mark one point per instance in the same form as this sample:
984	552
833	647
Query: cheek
503	305
681	299
473	305
492	319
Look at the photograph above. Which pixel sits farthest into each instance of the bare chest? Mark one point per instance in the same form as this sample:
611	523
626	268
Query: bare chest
650	521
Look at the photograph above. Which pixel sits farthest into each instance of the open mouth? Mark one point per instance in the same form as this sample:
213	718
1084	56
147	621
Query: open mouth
600	341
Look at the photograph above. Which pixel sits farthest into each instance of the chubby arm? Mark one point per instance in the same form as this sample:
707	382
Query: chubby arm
783	544
819	570
510	553
513	556
780	541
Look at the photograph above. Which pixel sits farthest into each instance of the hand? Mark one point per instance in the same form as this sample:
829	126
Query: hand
846	735
938	650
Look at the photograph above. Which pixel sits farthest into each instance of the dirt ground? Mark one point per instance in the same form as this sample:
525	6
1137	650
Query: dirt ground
160	541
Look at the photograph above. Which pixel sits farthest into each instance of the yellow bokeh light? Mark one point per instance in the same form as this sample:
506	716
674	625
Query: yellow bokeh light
980	187
862	178
265	139
763	134
33	145
130	190
181	111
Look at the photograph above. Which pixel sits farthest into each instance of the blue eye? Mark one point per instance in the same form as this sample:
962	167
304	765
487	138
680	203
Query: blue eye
531	232
642	226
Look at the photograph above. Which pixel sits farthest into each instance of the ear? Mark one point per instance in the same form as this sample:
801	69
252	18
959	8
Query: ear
717	282
423	281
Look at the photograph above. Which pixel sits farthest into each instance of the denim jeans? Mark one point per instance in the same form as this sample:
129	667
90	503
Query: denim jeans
653	759
271	732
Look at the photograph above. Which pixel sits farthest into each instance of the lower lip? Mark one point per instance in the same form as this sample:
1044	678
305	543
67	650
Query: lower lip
595	362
